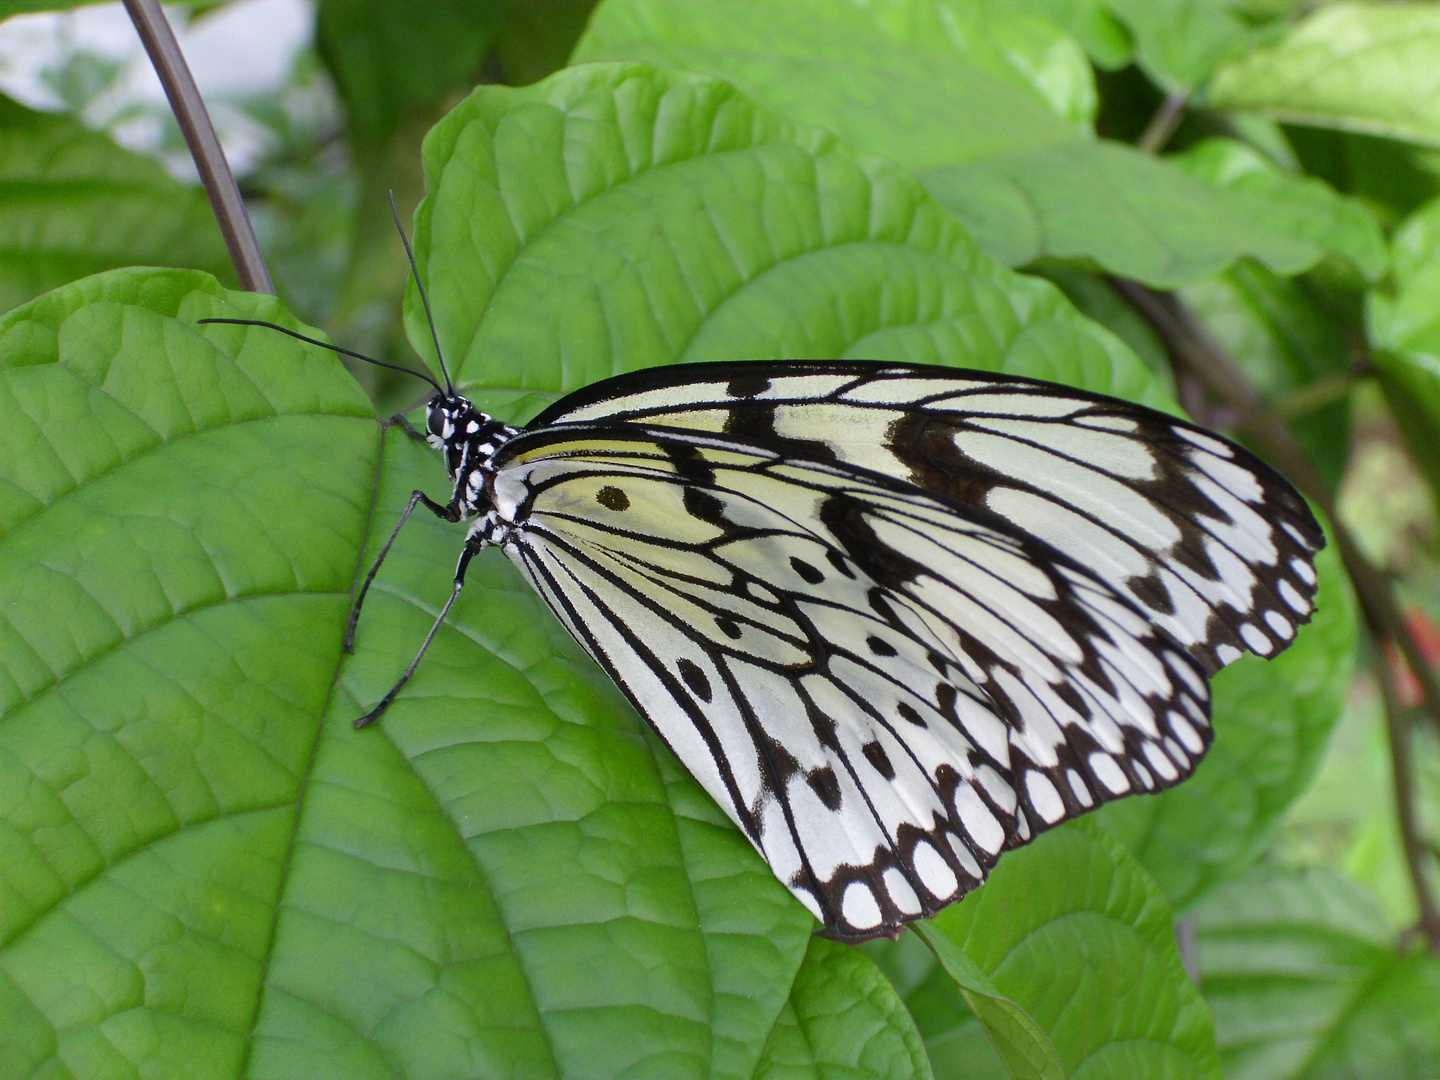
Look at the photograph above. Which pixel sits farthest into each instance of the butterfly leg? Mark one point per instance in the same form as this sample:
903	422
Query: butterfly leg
404	425
472	545
445	512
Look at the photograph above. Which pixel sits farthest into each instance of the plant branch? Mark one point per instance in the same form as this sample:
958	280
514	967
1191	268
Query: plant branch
1163	124
1187	943
1318	394
194	121
1199	358
1402	768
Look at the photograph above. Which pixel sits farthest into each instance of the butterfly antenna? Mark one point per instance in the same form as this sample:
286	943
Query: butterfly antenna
424	300
333	348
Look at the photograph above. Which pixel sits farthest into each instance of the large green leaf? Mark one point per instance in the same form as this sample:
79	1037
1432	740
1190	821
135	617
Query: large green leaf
619	216
73	203
1272	721
926	82
1357	67
843	1020
1024	1049
1166	222
1072	929
1305	985
1405	332
1257	190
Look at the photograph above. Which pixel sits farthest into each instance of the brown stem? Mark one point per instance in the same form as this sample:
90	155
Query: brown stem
1163	124
1317	395
1402	769
1187	943
194	121
1197	355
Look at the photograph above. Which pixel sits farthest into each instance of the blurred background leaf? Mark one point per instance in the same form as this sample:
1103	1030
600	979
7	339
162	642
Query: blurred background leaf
1304	982
1358	67
73	203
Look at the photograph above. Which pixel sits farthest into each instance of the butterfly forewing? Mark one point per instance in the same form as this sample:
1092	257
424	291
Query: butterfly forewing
882	687
1203	537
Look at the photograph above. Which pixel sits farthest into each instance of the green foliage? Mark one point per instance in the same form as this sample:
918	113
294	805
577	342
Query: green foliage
1357	67
1074	930
1288	335
206	871
1179	43
22	7
1092	24
73	203
1024	1049
1163	221
1304	984
392	59
918	73
1405	326
800	247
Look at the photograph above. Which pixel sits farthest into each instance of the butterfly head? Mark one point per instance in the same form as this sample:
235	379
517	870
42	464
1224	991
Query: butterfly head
469	439
453	422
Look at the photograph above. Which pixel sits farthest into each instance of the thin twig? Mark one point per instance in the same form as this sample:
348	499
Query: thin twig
1320	393
1163	124
1187	942
1402	768
194	121
1195	351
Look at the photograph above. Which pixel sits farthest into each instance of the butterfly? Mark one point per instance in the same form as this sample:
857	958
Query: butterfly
895	619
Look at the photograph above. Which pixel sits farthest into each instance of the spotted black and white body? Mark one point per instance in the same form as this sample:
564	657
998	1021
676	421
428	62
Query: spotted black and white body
895	620
469	440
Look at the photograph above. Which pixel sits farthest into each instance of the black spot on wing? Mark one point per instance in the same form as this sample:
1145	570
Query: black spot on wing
695	678
907	712
1152	593
822	781
875	754
747	386
688	461
612	498
879	646
845	517
754	422
702	504
806	571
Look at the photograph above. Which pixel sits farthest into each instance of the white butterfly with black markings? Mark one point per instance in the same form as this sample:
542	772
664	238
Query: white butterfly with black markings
894	619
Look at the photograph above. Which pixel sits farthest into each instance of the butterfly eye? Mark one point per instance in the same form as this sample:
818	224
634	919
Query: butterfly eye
435	422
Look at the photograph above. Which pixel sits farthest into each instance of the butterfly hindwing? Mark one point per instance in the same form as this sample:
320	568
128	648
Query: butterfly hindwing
883	688
1196	531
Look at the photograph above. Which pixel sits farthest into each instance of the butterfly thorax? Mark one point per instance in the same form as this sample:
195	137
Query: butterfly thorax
469	439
